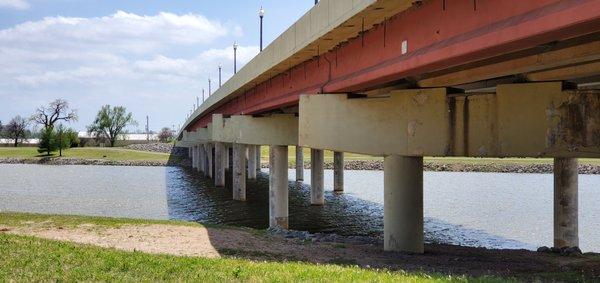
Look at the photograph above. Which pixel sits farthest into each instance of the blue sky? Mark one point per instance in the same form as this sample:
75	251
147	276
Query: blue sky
153	57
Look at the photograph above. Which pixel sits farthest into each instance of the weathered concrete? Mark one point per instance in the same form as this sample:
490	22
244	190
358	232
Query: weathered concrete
276	129
219	164
278	187
338	171
317	193
433	122
566	227
258	158
194	150
202	159
251	162
403	204
299	163
210	164
239	172
226	156
205	158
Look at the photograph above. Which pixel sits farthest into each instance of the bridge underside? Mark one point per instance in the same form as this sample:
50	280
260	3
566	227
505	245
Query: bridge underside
446	78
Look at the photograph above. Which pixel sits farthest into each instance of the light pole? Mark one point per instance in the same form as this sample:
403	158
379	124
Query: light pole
202	95
220	68
235	46
209	88
261	15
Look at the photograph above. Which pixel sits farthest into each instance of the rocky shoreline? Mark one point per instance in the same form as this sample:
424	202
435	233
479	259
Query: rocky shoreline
491	167
95	162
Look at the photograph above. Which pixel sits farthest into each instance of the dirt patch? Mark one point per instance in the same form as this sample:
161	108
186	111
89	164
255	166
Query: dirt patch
245	243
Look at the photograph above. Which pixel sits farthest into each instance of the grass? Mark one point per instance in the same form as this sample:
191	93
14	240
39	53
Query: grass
27	259
449	160
113	154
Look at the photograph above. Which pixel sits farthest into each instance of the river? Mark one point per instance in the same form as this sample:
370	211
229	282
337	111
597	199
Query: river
494	210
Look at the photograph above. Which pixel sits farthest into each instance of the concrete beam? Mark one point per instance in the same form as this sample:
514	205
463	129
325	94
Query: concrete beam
519	120
271	130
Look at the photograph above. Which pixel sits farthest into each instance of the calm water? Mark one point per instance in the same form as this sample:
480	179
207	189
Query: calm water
473	209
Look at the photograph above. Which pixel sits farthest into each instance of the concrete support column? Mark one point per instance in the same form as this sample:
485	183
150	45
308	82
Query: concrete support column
403	204
226	156
278	187
317	190
252	162
566	218
205	159
219	164
338	171
190	152
209	153
258	157
194	157
201	157
299	164
239	172
198	156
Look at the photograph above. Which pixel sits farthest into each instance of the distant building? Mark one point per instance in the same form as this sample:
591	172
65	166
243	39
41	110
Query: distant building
125	139
11	142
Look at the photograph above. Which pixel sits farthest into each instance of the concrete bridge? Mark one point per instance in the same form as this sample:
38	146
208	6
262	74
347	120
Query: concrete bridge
405	79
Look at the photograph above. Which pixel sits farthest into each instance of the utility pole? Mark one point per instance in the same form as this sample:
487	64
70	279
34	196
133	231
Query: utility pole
261	15
235	47
220	68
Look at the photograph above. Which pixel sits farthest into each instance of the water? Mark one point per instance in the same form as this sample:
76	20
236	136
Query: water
473	209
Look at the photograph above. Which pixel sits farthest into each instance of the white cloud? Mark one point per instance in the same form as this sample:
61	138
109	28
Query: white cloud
15	4
145	63
120	32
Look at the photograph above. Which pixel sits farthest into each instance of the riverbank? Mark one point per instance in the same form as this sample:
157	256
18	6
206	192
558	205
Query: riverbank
451	166
105	249
167	155
98	156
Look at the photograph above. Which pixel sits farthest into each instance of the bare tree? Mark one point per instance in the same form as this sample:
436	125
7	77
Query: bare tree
57	110
16	129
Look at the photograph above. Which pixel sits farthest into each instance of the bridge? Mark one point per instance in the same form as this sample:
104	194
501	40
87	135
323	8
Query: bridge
403	79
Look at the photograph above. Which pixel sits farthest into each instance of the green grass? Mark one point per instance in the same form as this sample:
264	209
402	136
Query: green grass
113	154
29	259
32	259
449	160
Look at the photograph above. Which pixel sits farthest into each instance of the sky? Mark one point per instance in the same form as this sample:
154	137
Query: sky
153	57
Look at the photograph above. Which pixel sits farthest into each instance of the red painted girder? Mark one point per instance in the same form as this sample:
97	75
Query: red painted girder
439	36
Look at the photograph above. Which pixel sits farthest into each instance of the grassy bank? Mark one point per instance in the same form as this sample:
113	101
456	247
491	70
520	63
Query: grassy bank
26	258
100	153
443	160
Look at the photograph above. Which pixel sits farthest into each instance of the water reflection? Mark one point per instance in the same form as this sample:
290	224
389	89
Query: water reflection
472	209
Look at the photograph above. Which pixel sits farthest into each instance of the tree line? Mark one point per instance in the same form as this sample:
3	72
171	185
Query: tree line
109	124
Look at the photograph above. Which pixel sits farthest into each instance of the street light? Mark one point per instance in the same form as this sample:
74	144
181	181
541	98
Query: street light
220	68
235	46
261	14
209	88
202	95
